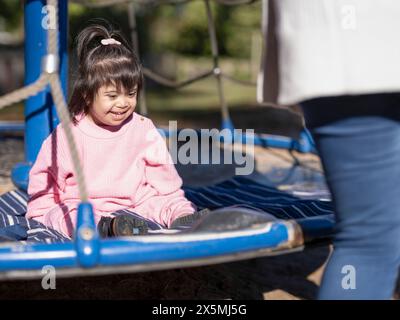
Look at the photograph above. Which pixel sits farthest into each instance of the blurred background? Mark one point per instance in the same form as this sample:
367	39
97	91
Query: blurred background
173	41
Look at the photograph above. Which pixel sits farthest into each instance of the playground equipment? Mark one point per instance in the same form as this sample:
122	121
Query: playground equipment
252	234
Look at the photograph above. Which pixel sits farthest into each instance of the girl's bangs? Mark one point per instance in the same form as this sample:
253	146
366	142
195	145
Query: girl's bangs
124	75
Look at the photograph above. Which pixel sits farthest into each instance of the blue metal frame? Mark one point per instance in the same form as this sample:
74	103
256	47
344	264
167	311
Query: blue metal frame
12	126
40	113
141	250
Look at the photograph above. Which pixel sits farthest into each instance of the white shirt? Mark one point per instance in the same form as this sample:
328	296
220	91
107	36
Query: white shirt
317	48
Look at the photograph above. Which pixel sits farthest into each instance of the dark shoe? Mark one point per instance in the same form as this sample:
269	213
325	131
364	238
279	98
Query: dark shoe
104	228
121	226
189	219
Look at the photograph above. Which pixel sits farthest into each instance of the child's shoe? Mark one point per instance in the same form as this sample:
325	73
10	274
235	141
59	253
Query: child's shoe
121	226
186	221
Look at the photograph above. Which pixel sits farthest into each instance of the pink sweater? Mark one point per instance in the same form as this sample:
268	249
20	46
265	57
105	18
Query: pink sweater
127	168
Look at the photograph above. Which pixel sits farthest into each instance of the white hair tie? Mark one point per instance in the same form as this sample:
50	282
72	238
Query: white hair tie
108	41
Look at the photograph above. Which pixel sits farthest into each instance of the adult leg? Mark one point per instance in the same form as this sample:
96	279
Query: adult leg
358	139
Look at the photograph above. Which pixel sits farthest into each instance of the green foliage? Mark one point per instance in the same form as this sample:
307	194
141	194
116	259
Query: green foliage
79	17
10	14
179	28
243	21
183	28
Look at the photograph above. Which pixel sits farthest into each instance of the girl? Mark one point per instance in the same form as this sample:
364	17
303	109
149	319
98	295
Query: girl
125	160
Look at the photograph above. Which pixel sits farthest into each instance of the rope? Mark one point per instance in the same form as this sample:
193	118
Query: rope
135	43
175	84
242	82
62	109
180	84
63	114
215	54
25	92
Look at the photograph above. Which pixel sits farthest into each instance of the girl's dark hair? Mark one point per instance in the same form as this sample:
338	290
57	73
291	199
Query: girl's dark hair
100	65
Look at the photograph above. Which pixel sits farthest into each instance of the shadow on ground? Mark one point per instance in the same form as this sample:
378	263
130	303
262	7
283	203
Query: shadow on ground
279	277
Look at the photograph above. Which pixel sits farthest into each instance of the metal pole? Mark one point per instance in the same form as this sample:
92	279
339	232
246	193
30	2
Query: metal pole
40	115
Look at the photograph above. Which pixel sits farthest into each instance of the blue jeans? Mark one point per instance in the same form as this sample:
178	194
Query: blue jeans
358	139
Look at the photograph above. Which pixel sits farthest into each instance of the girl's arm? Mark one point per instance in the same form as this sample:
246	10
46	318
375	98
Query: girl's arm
46	185
46	179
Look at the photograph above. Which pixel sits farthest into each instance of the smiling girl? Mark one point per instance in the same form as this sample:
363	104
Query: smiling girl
125	160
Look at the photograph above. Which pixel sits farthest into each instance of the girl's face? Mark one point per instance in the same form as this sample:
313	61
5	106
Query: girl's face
110	107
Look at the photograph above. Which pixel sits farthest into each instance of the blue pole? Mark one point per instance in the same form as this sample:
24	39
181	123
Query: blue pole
86	237
40	114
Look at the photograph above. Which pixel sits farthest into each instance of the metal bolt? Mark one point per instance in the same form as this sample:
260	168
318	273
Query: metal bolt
50	63
217	71
86	233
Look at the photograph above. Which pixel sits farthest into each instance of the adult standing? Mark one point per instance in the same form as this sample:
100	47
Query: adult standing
339	59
